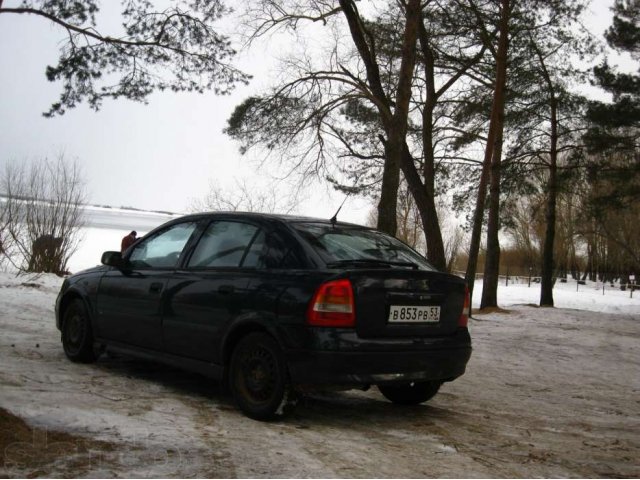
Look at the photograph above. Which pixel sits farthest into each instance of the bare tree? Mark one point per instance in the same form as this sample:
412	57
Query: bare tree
42	213
452	234
247	198
7	245
524	226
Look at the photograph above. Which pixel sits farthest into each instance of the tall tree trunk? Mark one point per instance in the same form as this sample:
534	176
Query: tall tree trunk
492	263
432	231
397	132
426	205
478	216
395	124
492	260
388	203
495	128
546	285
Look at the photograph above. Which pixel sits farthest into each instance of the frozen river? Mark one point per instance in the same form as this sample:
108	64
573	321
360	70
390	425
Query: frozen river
122	219
104	229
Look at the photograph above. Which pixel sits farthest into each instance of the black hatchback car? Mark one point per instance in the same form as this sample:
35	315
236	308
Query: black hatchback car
274	306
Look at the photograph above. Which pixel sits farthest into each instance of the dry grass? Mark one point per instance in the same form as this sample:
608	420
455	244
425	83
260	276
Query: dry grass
488	310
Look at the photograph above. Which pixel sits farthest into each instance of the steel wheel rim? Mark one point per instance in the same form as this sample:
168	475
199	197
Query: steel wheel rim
74	333
258	374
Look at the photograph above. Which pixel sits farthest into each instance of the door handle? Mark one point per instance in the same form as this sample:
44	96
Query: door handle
156	287
225	289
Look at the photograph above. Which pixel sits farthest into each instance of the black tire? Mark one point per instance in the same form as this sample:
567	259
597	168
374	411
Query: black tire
258	377
77	335
410	393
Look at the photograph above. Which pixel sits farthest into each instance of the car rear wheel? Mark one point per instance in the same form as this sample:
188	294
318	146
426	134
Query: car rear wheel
410	393
258	377
77	336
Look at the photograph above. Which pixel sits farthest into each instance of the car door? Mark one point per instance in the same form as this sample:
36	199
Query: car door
282	278
130	300
210	290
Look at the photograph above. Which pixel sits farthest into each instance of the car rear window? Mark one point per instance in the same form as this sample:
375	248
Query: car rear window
346	245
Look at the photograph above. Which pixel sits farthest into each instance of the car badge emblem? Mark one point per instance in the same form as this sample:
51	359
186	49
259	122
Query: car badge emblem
423	285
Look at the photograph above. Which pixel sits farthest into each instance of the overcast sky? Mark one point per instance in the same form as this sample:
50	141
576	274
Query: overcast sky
158	156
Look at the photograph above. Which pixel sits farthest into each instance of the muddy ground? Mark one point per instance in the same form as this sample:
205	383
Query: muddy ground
548	393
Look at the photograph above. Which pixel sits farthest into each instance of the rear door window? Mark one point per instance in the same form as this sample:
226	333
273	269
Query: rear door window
224	244
280	253
255	255
271	251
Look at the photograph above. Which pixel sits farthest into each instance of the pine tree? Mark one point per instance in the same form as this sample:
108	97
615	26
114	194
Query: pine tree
614	134
175	49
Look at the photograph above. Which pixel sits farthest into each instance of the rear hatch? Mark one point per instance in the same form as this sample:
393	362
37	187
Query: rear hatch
397	292
406	303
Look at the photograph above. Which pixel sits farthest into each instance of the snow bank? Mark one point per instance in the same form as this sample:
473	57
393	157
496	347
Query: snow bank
567	295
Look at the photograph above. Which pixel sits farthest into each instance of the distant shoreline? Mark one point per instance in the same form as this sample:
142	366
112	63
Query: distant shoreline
3	197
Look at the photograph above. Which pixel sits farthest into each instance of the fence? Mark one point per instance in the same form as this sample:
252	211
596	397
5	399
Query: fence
507	280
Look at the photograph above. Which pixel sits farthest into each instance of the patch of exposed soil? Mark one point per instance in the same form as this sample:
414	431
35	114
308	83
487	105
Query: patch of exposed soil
40	452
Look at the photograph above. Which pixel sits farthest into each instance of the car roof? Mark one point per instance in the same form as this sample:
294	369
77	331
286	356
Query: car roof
268	216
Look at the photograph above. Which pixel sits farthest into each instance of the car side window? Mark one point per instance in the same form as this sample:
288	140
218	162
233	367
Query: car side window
162	250
223	244
255	255
280	253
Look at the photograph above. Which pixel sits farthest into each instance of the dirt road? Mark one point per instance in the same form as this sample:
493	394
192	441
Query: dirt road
548	393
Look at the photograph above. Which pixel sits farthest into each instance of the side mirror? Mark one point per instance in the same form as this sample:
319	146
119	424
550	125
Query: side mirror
112	259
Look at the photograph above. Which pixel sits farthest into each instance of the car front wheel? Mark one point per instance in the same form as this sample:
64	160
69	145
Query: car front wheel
77	336
410	393
258	377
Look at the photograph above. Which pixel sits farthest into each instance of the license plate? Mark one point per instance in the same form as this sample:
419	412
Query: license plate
410	314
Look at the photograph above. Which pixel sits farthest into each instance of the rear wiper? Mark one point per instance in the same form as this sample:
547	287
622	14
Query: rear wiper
370	262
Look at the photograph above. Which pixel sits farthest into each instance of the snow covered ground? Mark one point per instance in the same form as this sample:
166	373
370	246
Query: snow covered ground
550	392
567	295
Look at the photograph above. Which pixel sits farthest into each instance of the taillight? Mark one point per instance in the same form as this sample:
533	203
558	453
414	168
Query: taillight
464	318
332	305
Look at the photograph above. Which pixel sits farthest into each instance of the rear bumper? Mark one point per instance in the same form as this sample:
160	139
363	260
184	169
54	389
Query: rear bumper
442	359
331	368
